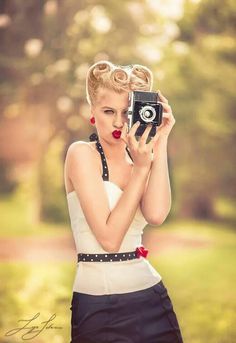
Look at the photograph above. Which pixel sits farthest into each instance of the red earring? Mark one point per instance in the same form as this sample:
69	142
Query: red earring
92	120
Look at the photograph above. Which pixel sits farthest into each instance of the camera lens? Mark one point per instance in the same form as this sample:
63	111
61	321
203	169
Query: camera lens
147	113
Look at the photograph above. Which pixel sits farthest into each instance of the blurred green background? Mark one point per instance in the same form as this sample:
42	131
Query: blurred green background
46	49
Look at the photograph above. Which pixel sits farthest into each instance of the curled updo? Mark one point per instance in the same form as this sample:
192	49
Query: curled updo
104	74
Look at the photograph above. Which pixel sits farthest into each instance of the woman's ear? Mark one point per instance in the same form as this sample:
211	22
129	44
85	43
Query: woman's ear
92	109
92	117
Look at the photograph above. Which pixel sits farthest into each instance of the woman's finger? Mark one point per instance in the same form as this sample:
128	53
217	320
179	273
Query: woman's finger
166	107
131	135
166	115
161	96
143	138
124	132
153	139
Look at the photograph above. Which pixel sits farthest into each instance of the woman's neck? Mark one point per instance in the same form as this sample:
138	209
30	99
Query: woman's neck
114	152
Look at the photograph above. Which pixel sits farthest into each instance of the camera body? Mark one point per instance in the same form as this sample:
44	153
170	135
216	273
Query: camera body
144	107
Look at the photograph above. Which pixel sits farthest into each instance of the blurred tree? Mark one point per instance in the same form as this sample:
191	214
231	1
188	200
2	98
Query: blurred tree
47	48
202	91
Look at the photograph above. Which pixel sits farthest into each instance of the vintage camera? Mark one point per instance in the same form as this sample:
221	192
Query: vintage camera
144	107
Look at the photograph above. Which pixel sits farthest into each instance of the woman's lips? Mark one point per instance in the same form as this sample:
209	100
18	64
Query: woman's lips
116	134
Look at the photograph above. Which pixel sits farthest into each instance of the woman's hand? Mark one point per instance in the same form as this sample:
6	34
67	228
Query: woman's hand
168	119
163	131
140	151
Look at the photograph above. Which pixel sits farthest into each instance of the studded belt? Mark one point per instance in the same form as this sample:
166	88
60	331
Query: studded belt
112	257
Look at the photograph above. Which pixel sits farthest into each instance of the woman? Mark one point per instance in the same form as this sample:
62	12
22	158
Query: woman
116	185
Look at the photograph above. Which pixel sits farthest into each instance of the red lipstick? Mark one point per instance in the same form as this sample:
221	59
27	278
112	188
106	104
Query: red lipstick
116	134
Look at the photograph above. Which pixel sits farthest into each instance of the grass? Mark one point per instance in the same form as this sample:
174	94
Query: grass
27	290
18	219
200	282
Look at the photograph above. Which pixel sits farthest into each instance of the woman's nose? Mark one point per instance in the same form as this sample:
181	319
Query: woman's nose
118	122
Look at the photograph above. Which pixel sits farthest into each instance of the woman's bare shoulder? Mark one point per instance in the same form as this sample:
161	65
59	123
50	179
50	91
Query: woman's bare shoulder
80	147
81	151
79	154
79	143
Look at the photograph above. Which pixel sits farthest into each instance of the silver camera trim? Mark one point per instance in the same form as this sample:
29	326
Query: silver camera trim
131	105
143	110
130	112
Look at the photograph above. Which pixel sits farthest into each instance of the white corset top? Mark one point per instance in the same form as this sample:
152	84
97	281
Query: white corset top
100	278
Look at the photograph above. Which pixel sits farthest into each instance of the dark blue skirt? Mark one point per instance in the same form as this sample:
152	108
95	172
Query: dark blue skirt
145	316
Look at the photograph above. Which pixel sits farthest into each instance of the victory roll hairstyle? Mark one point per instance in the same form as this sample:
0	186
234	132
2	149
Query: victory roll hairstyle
105	74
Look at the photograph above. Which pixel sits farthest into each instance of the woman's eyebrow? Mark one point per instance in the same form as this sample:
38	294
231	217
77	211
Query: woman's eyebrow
125	109
107	107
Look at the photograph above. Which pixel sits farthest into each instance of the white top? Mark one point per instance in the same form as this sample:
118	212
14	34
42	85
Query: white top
99	278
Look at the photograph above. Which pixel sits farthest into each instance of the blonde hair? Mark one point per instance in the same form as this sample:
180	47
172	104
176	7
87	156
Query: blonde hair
105	74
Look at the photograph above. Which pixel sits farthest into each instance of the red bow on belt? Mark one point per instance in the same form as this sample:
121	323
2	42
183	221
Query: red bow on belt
141	251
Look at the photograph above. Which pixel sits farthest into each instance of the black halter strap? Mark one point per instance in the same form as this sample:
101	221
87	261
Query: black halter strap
105	173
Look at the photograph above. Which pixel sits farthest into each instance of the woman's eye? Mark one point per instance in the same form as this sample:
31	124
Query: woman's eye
108	111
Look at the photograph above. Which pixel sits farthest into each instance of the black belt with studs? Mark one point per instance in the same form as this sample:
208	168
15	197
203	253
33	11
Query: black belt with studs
112	257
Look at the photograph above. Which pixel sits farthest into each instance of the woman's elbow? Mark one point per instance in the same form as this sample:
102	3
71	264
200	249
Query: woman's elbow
154	221
110	247
157	220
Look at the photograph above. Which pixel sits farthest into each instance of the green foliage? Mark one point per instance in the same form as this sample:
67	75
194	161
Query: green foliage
7	185
50	174
207	17
19	216
192	58
200	85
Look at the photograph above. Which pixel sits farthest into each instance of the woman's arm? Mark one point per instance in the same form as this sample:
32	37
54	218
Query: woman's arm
109	227
122	215
156	200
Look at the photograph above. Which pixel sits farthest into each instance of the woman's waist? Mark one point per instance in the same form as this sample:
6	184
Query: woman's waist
109	270
89	244
114	277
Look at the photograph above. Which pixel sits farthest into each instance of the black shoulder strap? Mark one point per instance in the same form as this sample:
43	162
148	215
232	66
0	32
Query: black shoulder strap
105	172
